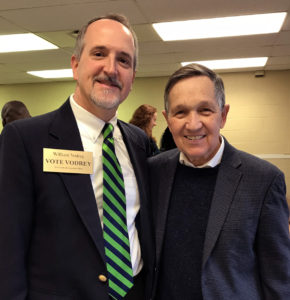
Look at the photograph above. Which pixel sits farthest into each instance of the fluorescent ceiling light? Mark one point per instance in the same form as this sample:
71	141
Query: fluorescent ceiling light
220	27
63	73
23	42
231	63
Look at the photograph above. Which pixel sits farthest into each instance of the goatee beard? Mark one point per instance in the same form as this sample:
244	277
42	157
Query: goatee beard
104	101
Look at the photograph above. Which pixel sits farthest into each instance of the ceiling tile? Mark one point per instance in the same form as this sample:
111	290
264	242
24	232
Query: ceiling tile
69	17
54	20
164	10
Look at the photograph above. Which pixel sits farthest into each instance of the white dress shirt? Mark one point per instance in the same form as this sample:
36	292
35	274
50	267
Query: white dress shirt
90	128
211	163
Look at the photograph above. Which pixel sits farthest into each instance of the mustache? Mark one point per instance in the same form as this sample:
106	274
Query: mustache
109	80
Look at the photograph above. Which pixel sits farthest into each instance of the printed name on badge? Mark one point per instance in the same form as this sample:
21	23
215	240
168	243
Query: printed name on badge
67	161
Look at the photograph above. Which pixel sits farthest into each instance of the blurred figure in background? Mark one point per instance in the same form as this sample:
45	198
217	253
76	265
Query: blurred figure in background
167	141
14	110
145	117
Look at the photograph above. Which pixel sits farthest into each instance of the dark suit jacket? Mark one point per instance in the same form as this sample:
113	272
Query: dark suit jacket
51	240
246	253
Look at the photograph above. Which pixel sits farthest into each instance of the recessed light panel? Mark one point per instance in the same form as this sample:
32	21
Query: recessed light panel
63	73
23	42
220	27
231	63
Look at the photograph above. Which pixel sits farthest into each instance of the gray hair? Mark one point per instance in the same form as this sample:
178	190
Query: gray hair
79	46
193	70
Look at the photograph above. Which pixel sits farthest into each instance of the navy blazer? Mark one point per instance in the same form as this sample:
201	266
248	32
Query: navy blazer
246	254
51	239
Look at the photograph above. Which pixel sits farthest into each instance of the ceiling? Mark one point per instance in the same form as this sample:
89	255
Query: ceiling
55	20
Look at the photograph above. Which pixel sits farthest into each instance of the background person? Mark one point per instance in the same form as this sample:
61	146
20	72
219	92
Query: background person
220	214
167	141
52	242
14	110
145	117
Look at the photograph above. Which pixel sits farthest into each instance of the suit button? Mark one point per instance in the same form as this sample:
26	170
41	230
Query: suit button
102	278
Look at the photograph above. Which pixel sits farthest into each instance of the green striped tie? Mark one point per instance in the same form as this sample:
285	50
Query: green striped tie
116	241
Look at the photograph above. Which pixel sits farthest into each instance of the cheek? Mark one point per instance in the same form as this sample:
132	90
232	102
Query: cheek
214	130
219	122
126	76
125	91
174	126
82	73
127	84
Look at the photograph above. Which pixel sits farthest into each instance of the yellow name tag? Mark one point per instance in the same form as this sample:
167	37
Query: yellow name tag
67	161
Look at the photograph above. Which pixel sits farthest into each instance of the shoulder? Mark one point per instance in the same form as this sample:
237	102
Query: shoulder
258	166
131	129
31	126
133	132
135	136
249	164
41	124
163	158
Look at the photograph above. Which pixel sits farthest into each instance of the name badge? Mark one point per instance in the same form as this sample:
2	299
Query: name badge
67	161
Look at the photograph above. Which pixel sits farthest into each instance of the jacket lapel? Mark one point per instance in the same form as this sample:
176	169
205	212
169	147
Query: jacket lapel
64	134
227	182
164	193
131	142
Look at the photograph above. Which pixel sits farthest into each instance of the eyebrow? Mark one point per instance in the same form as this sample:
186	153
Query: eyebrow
101	48
179	106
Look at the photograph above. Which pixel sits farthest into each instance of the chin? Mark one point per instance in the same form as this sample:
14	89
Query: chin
106	103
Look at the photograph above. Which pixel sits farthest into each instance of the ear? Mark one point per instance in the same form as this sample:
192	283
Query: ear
134	76
133	79
164	113
224	115
74	65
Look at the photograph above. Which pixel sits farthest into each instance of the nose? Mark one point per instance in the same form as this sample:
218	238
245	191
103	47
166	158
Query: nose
193	121
110	66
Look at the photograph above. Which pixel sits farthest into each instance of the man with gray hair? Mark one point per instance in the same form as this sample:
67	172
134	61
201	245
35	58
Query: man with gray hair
220	214
73	184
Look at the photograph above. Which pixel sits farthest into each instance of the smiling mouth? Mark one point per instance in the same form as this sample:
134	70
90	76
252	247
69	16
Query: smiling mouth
194	137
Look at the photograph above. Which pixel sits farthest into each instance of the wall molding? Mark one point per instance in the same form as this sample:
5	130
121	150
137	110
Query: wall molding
273	156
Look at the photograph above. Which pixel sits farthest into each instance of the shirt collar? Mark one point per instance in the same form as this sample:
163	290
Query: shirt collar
88	123
211	163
